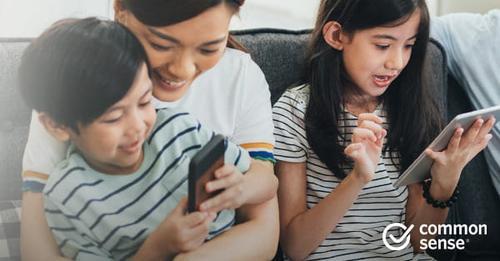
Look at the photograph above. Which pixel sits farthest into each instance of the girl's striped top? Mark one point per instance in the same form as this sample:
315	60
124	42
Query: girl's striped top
358	235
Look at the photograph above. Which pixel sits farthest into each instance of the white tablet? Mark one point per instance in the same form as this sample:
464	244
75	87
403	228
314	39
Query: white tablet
419	170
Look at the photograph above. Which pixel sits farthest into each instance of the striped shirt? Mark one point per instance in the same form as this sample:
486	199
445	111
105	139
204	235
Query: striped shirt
98	216
358	235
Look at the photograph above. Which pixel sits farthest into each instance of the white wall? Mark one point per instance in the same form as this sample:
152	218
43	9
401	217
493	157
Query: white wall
28	18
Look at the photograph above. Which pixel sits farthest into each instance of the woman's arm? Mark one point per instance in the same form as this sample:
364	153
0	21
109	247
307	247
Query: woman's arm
37	241
255	238
260	182
303	230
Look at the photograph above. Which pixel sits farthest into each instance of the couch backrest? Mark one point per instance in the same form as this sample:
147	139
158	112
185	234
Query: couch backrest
280	54
14	119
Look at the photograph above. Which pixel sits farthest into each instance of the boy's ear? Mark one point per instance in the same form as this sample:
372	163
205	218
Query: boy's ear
120	12
332	33
55	129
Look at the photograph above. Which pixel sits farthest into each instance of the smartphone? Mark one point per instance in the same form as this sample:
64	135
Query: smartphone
201	170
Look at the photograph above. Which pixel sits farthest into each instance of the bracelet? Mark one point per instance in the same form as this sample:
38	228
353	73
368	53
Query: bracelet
438	203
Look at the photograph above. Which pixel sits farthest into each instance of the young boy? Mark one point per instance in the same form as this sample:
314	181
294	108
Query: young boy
126	168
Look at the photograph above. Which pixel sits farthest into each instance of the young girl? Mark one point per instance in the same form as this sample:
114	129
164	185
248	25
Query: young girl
344	137
191	68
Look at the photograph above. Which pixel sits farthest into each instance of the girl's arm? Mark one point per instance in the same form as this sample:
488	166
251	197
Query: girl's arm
445	172
256	238
303	230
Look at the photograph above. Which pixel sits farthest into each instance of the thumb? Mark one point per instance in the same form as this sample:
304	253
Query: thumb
181	207
432	154
353	150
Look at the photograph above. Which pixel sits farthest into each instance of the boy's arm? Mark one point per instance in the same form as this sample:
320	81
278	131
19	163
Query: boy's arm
255	238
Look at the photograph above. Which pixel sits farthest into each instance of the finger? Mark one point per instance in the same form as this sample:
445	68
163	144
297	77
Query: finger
223	183
369	117
455	140
483	142
486	128
380	141
360	135
195	236
353	150
432	154
374	127
194	219
222	201
224	171
471	134
180	208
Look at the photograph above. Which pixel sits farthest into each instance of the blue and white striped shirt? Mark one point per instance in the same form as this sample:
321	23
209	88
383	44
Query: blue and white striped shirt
98	216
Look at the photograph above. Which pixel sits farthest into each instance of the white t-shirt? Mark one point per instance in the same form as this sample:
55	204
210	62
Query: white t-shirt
232	98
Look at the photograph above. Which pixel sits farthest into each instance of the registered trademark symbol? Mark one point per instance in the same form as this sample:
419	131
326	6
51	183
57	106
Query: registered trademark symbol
467	240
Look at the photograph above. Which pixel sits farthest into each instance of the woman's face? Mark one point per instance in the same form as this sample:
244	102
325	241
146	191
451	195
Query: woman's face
180	52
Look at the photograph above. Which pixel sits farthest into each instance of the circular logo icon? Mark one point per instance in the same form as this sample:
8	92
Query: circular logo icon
397	241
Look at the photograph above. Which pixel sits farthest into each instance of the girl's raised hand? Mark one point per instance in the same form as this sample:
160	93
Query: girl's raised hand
366	146
230	180
461	149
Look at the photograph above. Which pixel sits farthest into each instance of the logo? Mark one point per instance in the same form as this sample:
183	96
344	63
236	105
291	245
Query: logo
397	241
440	236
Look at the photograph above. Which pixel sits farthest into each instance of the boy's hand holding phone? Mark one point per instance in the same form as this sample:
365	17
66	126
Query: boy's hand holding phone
231	181
181	231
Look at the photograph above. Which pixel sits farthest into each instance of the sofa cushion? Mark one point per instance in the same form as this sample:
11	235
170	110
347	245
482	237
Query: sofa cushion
10	213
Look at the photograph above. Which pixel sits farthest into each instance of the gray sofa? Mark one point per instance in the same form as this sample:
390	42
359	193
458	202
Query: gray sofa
281	56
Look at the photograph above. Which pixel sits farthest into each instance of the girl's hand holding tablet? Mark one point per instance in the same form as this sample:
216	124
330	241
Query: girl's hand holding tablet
461	149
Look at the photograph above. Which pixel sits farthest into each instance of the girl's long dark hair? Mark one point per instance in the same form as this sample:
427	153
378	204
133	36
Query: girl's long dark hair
169	12
411	110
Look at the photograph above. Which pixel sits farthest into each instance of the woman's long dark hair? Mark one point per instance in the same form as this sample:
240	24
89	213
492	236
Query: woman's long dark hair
411	110
169	12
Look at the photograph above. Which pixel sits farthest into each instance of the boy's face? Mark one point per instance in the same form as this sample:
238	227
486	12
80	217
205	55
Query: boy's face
113	142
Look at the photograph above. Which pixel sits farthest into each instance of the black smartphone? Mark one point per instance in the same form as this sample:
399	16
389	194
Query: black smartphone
201	170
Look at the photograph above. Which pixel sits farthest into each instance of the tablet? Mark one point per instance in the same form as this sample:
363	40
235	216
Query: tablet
201	170
419	170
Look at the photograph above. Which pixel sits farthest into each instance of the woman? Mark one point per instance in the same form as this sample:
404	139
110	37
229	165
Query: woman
222	87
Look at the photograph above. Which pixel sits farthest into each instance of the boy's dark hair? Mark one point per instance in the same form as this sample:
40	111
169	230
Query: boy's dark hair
169	12
78	68
412	112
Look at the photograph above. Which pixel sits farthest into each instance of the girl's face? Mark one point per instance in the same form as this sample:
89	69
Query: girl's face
180	52
374	57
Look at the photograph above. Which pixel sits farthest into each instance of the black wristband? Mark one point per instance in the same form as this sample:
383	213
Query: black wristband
438	203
